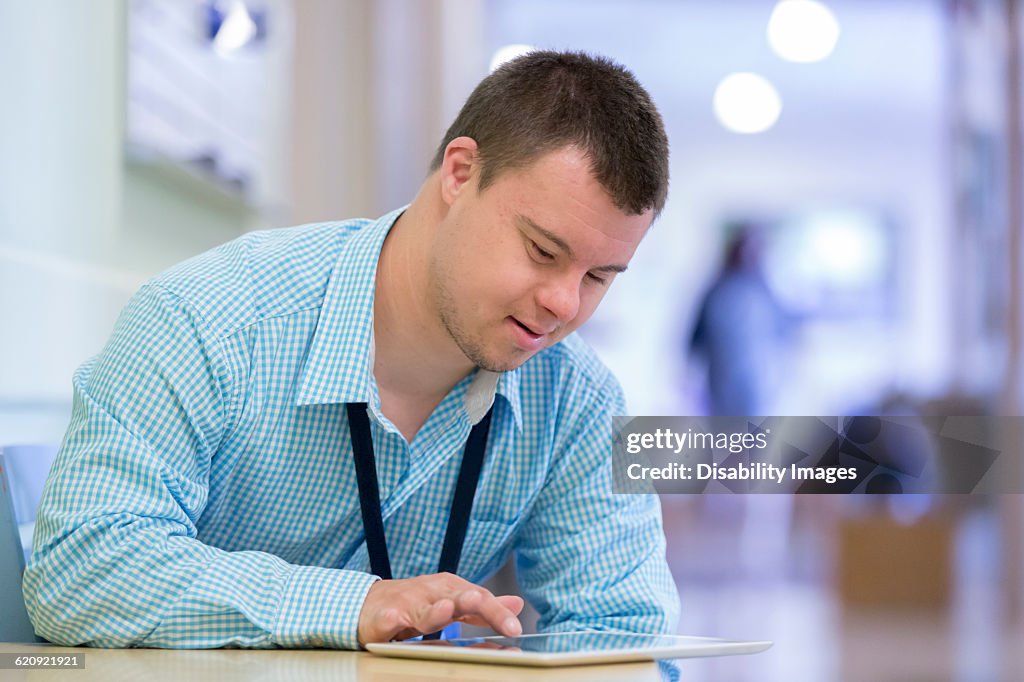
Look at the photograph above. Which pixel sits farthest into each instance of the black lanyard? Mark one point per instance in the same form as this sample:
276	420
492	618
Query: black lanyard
369	494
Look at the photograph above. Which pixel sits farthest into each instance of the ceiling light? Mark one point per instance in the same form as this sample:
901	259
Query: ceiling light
802	30
747	103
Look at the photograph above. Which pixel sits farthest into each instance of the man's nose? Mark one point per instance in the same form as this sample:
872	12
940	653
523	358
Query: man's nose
561	297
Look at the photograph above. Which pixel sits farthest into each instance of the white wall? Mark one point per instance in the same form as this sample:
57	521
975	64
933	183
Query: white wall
79	229
60	192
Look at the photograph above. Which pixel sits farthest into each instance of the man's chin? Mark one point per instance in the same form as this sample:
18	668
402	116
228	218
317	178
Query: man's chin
505	364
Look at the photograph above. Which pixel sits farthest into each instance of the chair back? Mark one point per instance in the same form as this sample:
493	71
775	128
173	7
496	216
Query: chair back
14	625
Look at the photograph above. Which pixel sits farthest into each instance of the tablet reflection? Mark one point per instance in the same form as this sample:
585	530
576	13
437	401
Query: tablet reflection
470	644
565	642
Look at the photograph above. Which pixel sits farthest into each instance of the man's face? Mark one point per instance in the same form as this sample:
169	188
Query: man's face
521	265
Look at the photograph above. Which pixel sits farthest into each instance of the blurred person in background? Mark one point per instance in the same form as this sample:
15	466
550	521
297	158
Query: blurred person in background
266	414
740	330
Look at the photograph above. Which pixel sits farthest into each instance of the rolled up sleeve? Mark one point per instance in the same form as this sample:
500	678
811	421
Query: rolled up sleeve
116	560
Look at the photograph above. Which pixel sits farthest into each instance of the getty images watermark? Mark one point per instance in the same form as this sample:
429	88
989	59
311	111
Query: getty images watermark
818	455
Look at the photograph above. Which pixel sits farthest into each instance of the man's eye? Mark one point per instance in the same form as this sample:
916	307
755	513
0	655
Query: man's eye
541	253
595	279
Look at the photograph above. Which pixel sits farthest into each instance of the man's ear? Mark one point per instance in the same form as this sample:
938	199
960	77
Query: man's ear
459	168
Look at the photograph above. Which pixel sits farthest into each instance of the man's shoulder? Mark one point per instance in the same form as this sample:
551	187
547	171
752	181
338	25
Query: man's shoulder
260	275
575	368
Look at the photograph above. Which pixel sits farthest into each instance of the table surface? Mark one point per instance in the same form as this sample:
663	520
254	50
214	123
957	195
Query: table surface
225	665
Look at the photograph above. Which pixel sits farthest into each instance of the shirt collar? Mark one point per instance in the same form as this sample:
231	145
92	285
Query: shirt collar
339	365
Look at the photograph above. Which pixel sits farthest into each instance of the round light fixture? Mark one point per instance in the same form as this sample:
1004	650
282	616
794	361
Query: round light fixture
747	103
802	30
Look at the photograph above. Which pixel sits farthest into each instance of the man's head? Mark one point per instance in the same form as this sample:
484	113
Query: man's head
544	101
549	178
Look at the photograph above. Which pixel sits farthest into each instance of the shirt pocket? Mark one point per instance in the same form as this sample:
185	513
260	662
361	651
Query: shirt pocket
487	545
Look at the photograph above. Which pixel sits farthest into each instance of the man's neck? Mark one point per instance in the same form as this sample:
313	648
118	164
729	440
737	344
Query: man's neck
416	361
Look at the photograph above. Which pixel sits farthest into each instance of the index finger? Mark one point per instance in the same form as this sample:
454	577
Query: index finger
484	605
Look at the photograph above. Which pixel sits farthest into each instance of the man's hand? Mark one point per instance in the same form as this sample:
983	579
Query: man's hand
400	609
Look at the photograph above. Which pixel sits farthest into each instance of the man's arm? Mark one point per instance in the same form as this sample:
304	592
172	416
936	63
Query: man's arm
588	558
115	560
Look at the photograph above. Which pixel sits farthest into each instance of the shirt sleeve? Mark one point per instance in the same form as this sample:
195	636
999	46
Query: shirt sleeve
116	561
588	558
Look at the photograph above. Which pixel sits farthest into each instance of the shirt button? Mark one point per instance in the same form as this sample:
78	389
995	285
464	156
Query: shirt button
316	642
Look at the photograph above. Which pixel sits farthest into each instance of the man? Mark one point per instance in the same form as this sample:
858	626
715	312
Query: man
228	448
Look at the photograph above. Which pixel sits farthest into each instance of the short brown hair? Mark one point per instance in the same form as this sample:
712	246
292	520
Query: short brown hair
548	100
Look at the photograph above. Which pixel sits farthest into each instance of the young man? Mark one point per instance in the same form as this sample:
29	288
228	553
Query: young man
280	423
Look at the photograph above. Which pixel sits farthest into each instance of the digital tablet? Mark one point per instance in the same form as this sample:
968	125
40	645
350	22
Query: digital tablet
568	648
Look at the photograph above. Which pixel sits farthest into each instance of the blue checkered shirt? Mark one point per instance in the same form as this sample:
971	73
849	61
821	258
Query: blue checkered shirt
205	493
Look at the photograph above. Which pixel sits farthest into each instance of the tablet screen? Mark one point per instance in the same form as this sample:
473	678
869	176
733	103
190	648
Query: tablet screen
570	642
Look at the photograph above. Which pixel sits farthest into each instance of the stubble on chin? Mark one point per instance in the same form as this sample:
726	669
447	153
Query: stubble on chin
472	346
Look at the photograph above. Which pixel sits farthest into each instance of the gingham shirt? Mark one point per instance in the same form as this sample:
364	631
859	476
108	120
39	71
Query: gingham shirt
205	494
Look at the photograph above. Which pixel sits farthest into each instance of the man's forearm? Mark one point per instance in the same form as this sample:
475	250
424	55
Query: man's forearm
114	582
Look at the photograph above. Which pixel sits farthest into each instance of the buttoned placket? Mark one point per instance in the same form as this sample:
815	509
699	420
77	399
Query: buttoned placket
402	467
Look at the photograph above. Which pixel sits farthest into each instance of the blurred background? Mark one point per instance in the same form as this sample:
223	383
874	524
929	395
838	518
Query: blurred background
843	236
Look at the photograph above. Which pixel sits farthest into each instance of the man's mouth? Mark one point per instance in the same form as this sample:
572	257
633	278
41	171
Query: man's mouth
532	329
527	337
529	329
